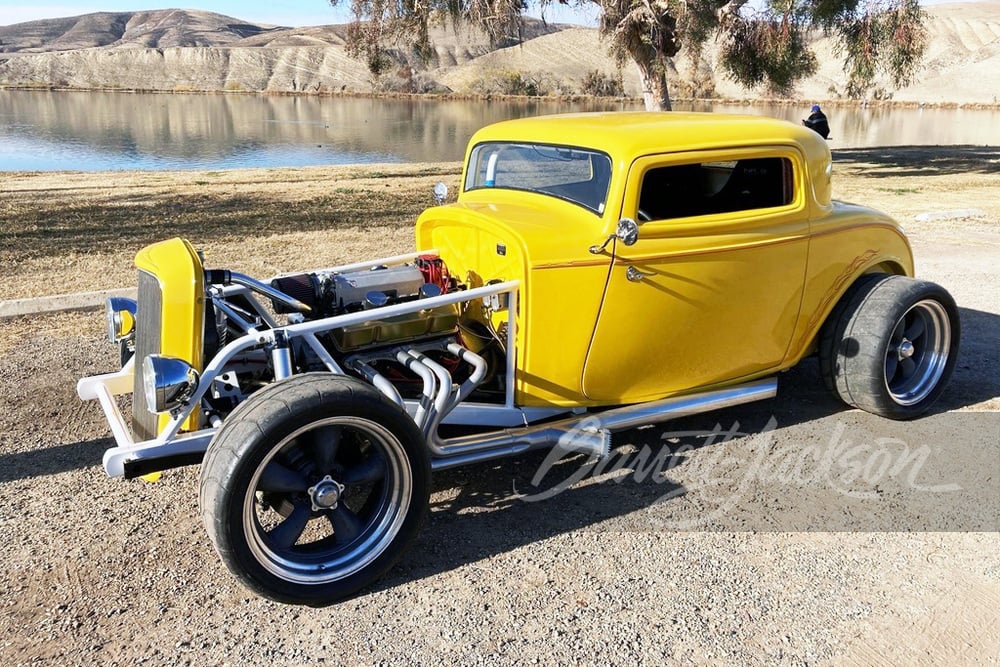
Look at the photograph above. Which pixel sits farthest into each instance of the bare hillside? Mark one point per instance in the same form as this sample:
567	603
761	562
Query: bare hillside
192	50
149	29
963	60
962	63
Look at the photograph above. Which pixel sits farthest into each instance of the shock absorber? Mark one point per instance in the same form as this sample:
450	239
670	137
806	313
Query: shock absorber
281	355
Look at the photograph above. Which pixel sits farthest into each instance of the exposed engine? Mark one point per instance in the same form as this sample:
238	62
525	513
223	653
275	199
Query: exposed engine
328	293
381	348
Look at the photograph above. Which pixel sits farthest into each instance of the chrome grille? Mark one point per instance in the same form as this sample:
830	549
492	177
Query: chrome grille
147	341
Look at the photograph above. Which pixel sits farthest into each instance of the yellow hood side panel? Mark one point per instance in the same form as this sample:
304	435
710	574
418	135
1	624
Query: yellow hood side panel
559	297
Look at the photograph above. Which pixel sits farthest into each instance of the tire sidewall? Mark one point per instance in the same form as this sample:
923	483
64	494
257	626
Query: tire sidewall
241	449
863	337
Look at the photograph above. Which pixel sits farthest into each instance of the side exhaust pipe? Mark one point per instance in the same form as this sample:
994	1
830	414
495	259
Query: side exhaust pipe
589	433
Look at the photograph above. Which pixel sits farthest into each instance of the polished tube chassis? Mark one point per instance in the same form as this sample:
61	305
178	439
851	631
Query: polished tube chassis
515	428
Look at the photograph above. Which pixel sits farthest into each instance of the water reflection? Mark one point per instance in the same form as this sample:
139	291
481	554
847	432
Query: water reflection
884	126
102	131
94	131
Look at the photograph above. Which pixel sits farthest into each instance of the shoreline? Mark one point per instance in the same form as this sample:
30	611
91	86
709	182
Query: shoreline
489	97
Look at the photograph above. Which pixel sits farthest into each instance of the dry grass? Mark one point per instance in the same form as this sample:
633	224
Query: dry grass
71	232
905	181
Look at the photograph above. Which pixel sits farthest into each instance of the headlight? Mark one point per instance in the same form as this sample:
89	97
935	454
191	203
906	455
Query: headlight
167	382
120	313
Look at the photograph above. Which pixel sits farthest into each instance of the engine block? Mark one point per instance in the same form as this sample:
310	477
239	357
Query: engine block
330	293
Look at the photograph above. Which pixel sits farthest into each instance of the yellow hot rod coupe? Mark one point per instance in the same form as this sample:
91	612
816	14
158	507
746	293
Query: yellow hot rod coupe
598	272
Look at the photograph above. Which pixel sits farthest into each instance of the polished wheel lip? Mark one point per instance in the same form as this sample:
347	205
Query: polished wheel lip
377	535
929	352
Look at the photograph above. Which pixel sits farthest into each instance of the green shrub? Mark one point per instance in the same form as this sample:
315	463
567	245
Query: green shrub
512	82
599	84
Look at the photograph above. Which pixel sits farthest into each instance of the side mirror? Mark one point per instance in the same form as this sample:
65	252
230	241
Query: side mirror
440	193
628	231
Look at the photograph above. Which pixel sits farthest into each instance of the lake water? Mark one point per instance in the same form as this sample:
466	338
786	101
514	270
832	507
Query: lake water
46	131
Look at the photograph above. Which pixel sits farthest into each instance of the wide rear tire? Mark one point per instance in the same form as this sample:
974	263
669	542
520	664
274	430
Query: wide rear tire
313	487
890	345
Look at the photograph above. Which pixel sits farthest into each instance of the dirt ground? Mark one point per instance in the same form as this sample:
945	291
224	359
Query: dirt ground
790	531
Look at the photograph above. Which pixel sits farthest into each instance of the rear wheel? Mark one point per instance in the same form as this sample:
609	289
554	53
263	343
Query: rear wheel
313	487
891	345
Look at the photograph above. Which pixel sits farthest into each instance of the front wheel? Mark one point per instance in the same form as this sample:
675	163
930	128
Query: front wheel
313	487
891	345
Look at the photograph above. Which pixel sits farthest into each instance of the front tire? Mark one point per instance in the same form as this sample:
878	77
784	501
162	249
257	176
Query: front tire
313	487
891	345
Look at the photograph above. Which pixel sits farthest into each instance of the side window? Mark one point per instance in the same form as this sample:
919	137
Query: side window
704	188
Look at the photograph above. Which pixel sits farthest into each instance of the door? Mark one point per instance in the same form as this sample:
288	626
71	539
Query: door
711	290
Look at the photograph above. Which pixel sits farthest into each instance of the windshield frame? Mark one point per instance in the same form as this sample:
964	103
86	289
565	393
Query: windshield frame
477	159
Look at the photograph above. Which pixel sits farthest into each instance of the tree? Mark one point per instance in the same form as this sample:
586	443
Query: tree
763	42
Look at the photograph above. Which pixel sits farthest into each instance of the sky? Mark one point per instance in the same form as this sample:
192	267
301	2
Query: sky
277	12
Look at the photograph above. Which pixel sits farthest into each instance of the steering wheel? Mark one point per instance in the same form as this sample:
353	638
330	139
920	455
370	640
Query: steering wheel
643	216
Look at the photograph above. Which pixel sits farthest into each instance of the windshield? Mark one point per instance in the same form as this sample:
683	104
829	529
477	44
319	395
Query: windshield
575	174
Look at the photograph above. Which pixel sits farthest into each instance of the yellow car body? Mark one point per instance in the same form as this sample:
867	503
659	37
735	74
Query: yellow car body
645	265
715	298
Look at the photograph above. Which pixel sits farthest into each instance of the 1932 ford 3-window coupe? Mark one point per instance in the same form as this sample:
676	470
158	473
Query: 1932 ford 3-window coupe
597	272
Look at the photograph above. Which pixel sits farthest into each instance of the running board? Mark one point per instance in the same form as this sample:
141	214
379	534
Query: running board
590	433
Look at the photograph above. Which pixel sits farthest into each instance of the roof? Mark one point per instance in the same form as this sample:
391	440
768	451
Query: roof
627	134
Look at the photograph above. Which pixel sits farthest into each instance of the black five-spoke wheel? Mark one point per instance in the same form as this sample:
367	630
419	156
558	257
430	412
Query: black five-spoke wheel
313	487
918	352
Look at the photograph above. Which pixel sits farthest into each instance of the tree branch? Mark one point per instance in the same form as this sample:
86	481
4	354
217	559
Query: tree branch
729	11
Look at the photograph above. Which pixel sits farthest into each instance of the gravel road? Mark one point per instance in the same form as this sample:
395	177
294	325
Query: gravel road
786	532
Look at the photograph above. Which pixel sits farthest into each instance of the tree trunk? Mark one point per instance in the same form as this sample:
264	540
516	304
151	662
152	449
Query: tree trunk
655	94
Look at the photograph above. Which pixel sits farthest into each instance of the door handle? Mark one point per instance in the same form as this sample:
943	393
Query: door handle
635	275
